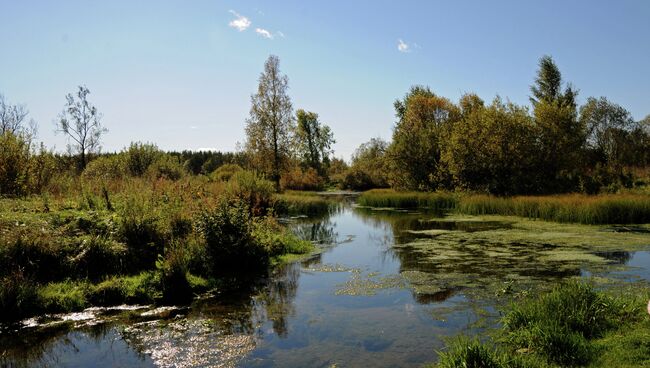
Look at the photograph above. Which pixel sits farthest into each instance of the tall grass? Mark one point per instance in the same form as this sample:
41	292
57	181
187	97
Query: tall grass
395	199
627	208
577	208
301	203
562	328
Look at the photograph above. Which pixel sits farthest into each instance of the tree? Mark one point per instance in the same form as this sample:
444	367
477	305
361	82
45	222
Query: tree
493	149
13	119
368	168
561	134
271	122
608	127
313	140
423	121
81	122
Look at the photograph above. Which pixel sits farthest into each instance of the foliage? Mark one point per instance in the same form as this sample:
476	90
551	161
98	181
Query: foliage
225	172
166	167
299	179
297	203
251	189
414	154
140	156
104	168
313	141
368	169
271	122
14	164
492	149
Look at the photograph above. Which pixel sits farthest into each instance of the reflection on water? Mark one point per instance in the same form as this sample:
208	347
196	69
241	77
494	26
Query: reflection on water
384	291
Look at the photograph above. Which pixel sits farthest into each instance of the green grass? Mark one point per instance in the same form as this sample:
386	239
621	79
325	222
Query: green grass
571	325
301	203
395	199
626	208
577	208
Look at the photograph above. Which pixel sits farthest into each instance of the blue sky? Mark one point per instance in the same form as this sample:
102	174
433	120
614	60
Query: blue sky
180	73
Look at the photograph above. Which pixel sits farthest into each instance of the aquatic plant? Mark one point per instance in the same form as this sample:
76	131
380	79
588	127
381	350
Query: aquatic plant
392	198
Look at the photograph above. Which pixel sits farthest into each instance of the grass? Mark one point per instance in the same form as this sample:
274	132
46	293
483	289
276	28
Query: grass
625	208
395	199
571	325
301	203
131	240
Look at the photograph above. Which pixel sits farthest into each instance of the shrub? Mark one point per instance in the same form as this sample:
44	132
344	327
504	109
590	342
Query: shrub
298	179
225	172
166	167
139	227
139	156
174	268
14	164
104	168
99	256
251	189
227	232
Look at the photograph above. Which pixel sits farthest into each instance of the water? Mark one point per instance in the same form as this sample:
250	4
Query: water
385	292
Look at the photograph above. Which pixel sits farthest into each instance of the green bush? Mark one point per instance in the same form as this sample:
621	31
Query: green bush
139	226
98	256
140	156
227	232
104	168
251	189
14	164
166	167
225	172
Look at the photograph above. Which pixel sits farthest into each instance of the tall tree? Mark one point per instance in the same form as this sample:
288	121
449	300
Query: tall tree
313	140
81	123
414	154
561	134
271	121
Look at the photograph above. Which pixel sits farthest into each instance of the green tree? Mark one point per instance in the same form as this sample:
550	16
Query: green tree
271	122
313	140
414	154
492	149
368	169
561	134
81	123
609	127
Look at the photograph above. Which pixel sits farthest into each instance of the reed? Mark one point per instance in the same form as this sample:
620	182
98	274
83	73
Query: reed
395	199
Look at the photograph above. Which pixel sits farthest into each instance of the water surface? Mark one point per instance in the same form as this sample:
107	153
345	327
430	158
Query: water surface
385	291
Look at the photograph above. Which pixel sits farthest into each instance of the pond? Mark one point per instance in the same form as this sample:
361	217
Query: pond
385	290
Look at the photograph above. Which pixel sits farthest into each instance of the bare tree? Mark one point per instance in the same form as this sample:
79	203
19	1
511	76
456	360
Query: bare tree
81	123
13	119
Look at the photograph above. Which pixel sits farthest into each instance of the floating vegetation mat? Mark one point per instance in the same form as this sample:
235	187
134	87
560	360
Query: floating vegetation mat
361	284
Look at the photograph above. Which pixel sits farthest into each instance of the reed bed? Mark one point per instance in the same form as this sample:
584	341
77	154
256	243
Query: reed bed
575	208
395	199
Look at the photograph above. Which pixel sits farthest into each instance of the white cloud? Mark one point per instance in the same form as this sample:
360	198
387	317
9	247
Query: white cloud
403	46
264	33
241	23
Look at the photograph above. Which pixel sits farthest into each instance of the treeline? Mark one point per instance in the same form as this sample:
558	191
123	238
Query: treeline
503	148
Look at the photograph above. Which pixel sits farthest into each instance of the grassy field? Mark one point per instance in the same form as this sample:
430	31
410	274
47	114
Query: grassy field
626	208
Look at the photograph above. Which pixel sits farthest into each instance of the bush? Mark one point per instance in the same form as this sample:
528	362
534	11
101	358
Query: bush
14	164
104	168
140	156
225	172
139	227
227	231
99	256
166	167
297	179
174	268
251	189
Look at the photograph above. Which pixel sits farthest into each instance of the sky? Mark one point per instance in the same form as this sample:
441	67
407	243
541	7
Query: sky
180	73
